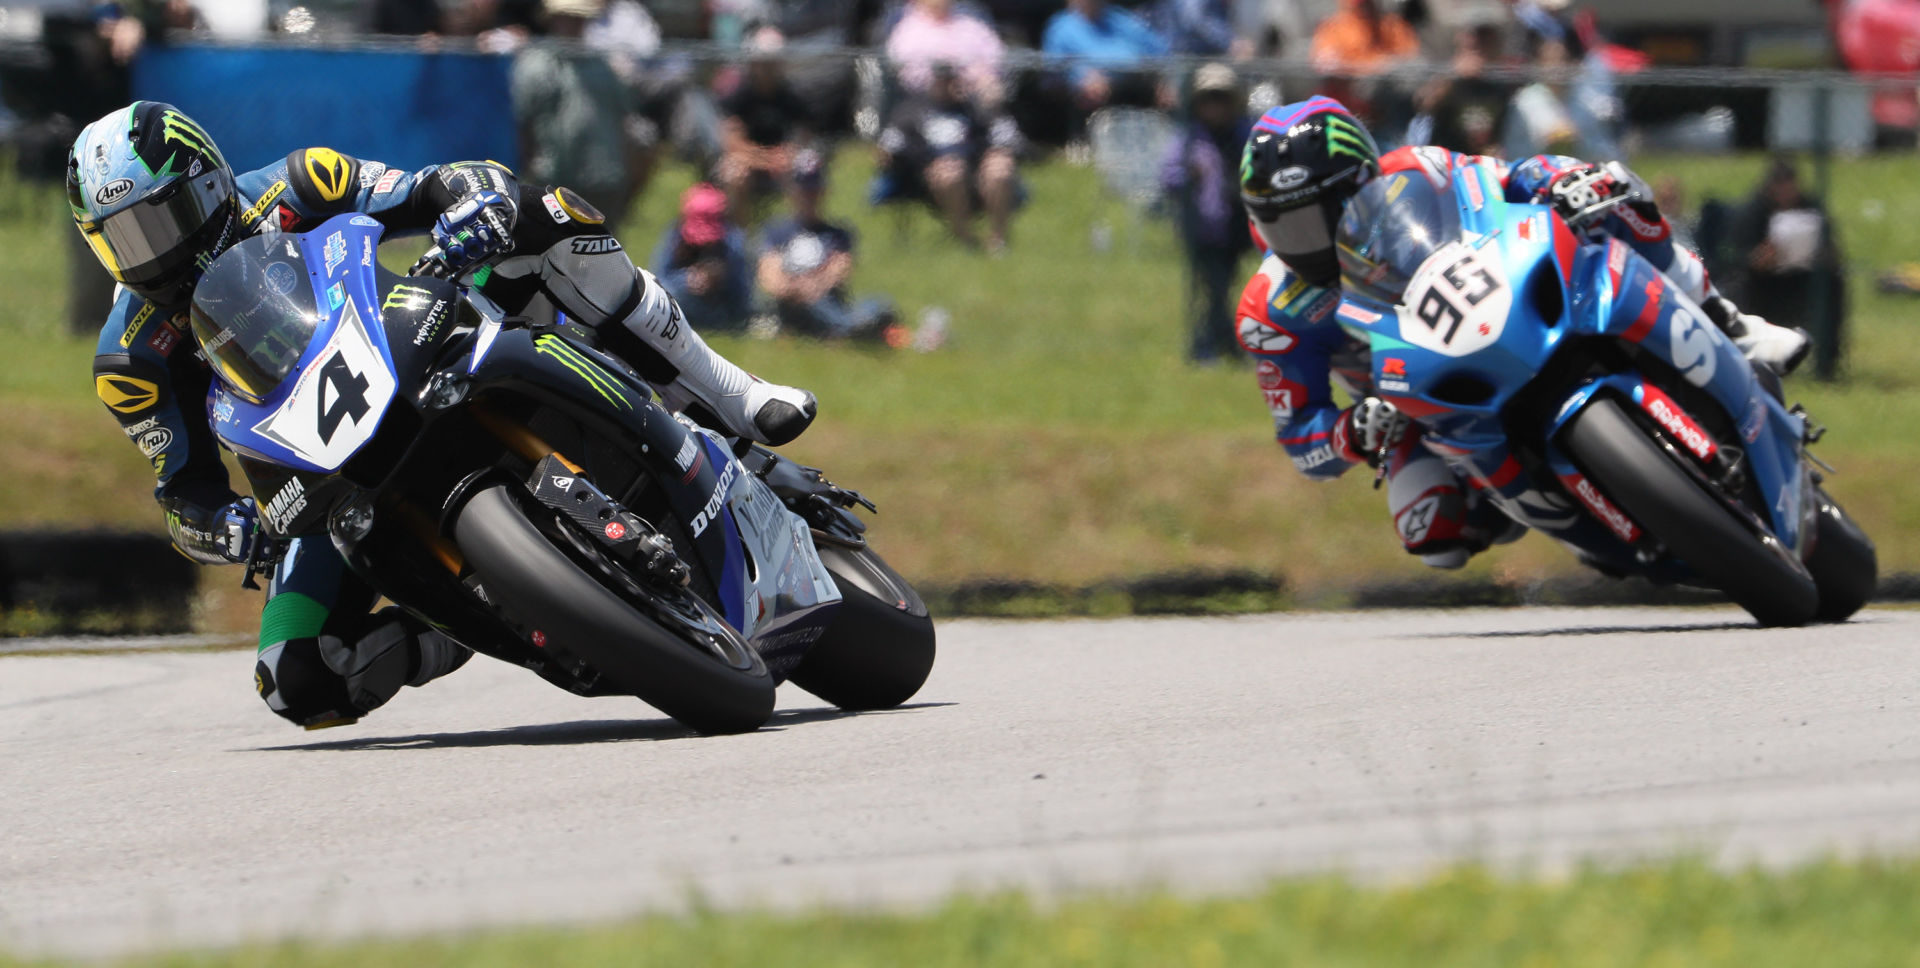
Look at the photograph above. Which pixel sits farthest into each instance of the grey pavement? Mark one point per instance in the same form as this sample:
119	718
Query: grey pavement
149	800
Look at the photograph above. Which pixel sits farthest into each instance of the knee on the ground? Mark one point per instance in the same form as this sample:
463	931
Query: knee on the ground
297	684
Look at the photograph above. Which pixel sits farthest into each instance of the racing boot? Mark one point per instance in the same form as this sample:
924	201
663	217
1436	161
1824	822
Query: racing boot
1780	348
743	404
591	278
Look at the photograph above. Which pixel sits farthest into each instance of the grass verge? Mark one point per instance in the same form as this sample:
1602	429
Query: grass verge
1858	914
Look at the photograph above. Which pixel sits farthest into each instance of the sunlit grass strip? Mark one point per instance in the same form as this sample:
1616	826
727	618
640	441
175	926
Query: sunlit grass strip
1685	912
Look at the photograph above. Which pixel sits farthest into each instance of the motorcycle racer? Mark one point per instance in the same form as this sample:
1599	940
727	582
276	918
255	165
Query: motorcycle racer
157	202
1301	164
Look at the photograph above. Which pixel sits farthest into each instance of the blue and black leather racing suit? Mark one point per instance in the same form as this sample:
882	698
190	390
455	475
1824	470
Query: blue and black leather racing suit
1302	352
323	659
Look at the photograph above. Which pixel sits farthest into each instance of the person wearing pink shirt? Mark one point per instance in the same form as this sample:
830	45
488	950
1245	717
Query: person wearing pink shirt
931	32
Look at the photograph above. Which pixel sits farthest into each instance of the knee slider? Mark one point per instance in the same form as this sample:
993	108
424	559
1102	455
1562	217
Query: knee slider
299	686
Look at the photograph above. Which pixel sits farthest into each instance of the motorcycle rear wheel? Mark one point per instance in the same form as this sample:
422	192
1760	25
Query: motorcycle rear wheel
880	647
1646	479
717	686
1844	563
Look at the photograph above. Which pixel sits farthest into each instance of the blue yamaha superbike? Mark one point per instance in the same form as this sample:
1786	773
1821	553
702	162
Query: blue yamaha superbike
507	482
1590	401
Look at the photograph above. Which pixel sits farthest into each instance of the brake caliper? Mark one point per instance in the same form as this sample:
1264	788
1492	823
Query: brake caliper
630	538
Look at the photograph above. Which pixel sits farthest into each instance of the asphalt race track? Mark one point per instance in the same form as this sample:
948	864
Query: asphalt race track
150	799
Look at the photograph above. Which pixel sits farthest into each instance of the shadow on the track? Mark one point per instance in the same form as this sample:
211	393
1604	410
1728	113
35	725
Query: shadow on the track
576	733
1594	630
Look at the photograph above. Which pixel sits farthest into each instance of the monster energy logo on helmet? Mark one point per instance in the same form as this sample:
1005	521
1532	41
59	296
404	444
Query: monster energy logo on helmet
1346	138
178	129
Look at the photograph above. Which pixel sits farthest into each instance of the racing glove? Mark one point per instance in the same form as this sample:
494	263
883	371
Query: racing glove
475	230
1585	194
215	536
1367	429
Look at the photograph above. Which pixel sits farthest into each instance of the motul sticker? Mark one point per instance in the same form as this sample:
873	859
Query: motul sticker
1677	423
615	531
1611	516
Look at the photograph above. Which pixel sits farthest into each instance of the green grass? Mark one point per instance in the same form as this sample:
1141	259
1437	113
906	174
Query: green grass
1060	438
1682	913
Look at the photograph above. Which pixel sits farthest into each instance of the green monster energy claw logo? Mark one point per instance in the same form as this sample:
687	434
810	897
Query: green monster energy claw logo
177	128
407	298
588	370
1345	138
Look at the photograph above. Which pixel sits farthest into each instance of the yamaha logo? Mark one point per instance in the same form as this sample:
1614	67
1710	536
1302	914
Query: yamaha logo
1290	178
113	191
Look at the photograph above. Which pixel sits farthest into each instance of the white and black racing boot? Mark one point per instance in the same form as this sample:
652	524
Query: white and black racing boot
1781	348
592	279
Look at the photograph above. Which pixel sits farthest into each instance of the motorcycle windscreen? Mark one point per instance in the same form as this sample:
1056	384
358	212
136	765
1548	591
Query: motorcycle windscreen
254	312
1393	226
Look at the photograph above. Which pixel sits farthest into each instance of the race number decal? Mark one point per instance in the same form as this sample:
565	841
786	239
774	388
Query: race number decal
1457	303
339	400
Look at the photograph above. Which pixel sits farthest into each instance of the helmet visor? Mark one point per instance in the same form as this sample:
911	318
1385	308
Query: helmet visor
1303	239
132	241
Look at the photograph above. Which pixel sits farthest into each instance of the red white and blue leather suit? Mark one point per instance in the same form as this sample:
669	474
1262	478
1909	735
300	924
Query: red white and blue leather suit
1302	352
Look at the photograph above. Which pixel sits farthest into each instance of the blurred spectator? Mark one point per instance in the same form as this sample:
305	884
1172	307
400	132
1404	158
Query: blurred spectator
1540	119
1110	44
702	261
1360	39
931	32
627	34
496	26
1465	111
1204	27
763	121
944	147
805	261
1795	274
1275	28
1199	174
576	119
405	17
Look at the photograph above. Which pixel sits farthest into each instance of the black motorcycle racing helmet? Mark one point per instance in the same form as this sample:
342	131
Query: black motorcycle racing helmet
1301	164
154	198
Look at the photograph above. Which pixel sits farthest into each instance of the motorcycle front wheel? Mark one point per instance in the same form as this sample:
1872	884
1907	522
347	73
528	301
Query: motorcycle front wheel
1647	480
665	646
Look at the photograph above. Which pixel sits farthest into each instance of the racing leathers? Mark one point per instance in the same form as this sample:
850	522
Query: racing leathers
1302	352
323	659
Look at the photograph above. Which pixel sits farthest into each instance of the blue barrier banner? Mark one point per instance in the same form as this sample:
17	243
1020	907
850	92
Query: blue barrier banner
408	109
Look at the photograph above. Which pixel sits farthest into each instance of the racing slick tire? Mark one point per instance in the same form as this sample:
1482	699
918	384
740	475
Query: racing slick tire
880	647
1844	564
696	669
1647	481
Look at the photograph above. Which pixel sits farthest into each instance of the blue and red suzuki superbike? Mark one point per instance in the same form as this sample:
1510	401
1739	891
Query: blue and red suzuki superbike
508	483
1590	401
